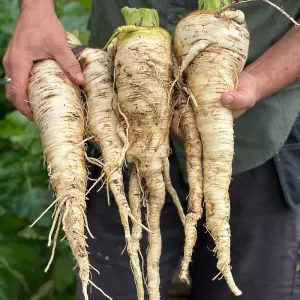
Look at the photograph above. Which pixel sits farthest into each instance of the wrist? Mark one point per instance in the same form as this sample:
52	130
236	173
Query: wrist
33	5
260	83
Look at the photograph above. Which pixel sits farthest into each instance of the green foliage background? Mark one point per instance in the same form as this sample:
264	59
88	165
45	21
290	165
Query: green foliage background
24	191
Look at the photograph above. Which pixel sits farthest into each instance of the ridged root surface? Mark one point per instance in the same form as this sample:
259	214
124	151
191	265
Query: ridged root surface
143	65
59	115
193	149
104	124
212	51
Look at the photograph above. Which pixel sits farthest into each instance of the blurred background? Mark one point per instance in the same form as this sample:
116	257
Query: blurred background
24	192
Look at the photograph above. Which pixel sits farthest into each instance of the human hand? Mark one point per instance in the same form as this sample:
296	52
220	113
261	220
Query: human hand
244	97
38	35
239	101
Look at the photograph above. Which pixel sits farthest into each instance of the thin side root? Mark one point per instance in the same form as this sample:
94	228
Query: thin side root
138	223
87	224
172	191
282	11
50	206
54	244
266	1
56	217
123	136
94	184
100	290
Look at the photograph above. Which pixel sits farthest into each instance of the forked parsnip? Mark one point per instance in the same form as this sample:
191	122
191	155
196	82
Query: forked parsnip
193	150
59	115
108	130
143	74
212	49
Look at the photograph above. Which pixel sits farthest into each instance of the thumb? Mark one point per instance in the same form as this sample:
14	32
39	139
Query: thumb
68	62
236	100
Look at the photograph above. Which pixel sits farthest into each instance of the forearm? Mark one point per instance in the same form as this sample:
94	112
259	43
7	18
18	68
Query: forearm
33	4
279	66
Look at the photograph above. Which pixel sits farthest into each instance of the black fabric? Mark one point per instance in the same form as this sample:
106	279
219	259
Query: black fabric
288	166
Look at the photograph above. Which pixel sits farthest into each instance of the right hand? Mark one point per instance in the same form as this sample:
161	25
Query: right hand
38	35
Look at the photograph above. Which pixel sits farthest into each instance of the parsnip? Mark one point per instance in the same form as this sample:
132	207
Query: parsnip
59	115
193	149
211	49
108	130
143	68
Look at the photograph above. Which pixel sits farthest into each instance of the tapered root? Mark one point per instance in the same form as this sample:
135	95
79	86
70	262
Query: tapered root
193	149
155	202
136	233
171	190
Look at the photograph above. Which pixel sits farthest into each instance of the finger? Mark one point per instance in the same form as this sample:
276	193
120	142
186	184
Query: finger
67	60
237	113
16	91
175	125
236	100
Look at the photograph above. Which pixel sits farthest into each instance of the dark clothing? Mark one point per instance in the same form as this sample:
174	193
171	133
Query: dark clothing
265	236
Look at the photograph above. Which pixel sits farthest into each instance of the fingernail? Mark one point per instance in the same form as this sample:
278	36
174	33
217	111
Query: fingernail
228	99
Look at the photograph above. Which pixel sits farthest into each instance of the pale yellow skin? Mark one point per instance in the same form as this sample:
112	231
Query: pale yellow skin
211	52
143	66
136	233
59	115
193	149
103	123
97	67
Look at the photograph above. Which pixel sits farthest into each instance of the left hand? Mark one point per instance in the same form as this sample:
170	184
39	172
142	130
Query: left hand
244	97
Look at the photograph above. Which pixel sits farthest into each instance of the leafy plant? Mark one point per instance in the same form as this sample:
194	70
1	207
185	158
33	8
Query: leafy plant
25	193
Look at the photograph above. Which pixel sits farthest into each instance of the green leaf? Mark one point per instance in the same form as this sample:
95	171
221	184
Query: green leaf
77	22
13	124
63	273
19	256
84	37
30	233
27	138
7	281
71	7
86	4
62	297
45	290
36	148
40	199
9	222
16	118
13	272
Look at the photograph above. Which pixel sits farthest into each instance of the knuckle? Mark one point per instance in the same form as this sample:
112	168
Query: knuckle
8	95
5	62
59	45
12	60
12	92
